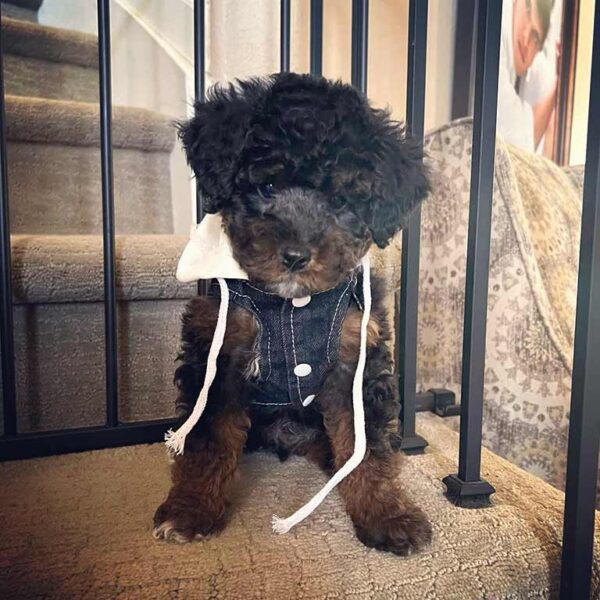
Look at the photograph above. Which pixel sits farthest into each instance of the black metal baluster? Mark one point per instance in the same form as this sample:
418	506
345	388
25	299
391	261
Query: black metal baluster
108	214
52	443
199	53
7	348
406	340
360	39
316	37
584	426
284	43
467	488
464	58
199	95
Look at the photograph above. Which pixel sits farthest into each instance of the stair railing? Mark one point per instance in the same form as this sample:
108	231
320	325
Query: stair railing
466	488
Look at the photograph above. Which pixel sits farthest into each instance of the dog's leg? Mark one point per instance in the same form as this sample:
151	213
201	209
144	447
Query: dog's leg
196	506
197	503
383	517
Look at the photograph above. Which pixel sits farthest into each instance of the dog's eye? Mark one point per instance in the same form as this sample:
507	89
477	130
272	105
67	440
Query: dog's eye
265	190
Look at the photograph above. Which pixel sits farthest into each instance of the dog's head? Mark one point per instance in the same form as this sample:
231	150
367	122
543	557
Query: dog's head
306	175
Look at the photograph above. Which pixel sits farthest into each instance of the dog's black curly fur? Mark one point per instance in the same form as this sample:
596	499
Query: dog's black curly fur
295	130
302	163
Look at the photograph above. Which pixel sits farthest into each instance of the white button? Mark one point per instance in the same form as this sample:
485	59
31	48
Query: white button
308	400
299	302
302	370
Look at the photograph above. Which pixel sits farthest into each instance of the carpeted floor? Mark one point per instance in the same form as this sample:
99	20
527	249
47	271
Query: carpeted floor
79	526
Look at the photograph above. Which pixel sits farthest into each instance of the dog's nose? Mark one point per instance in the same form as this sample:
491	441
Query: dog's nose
295	258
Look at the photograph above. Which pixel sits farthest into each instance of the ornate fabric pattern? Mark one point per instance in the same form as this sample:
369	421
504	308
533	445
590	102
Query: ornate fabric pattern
532	294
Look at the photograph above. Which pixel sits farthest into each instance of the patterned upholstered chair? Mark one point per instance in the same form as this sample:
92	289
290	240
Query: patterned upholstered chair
532	295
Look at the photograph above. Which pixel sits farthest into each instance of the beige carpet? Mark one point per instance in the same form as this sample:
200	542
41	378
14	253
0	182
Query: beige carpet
46	62
44	121
59	314
54	44
79	526
53	139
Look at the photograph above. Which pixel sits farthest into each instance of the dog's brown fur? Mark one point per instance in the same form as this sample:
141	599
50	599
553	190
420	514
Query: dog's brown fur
382	516
197	503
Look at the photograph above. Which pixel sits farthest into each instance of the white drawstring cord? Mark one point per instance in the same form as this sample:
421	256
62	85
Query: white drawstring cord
175	440
360	437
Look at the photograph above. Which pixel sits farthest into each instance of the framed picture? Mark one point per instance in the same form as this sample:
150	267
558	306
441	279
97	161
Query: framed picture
538	52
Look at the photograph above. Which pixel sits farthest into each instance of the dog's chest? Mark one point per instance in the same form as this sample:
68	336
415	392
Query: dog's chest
297	342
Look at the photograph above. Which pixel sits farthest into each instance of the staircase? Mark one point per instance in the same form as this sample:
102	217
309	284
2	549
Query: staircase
53	151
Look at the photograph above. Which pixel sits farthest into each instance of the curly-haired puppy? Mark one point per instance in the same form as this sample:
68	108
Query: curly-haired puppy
306	176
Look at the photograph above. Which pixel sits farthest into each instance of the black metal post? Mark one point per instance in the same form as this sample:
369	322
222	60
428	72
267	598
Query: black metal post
360	38
464	58
284	44
406	342
199	95
9	395
199	44
316	37
108	213
467	488
584	426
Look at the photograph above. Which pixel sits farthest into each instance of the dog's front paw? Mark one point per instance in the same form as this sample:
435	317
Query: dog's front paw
185	519
401	530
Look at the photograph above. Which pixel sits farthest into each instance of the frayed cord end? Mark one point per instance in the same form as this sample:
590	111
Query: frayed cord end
175	441
280	525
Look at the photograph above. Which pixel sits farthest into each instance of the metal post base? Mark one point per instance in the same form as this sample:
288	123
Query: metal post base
468	494
414	444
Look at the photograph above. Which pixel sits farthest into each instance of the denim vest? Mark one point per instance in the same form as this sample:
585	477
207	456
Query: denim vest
298	339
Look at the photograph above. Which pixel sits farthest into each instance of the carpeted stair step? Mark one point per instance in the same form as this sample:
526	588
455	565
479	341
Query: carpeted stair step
22	9
48	62
54	168
59	327
79	526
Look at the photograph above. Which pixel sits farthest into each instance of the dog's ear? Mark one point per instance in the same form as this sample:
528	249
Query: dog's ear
400	181
213	141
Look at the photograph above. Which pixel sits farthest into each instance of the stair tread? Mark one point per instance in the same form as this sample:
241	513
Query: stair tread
508	550
69	268
25	38
48	121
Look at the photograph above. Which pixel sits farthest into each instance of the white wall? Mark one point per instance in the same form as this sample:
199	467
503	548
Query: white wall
245	42
69	14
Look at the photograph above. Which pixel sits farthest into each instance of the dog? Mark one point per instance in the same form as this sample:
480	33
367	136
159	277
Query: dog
306	176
